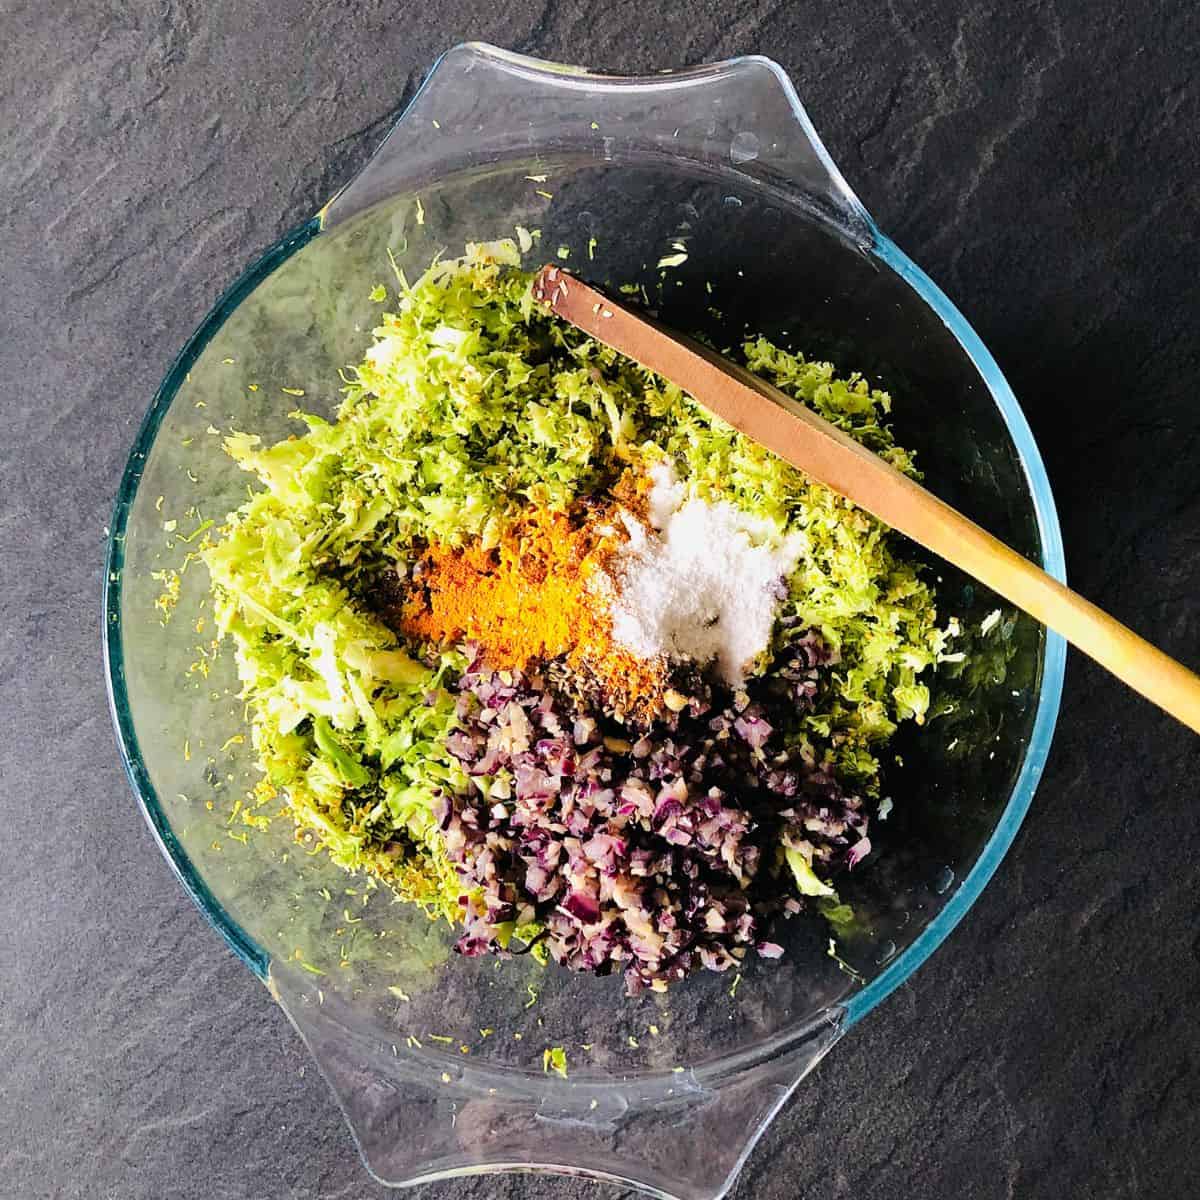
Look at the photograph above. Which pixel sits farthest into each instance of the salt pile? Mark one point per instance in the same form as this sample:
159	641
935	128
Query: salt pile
704	582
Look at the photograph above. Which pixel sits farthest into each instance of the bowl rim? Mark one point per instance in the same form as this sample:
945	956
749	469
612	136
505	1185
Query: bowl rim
1054	650
856	1005
192	880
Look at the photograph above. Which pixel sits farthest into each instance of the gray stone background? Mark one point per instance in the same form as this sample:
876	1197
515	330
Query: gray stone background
1039	159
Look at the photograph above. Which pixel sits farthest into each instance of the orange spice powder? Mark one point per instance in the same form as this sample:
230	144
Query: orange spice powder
537	595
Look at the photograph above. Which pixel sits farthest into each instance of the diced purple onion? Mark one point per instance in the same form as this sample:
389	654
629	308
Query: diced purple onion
654	853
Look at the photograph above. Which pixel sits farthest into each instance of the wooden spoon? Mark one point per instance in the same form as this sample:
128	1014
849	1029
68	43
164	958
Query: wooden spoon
802	438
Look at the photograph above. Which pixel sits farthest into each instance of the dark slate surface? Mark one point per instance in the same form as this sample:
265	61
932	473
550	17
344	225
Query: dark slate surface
1041	160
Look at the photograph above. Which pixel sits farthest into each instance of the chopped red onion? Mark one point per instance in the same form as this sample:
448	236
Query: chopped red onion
657	852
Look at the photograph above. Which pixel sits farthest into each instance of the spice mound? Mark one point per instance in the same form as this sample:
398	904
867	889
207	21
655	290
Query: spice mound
627	602
539	595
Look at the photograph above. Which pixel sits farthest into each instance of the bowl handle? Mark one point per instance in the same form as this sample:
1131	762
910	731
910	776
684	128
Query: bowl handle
421	1113
481	105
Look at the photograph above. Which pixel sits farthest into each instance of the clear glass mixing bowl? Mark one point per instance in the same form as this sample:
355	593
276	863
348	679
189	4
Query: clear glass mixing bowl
436	1060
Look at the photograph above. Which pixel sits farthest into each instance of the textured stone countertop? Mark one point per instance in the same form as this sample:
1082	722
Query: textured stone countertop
1041	160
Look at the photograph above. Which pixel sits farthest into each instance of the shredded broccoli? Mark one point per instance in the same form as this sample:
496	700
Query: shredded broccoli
470	405
554	1058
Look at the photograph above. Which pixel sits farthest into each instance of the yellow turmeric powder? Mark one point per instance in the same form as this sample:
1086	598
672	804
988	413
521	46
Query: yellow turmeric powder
536	596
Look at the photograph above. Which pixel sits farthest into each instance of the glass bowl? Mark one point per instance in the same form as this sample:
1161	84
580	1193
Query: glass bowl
438	1061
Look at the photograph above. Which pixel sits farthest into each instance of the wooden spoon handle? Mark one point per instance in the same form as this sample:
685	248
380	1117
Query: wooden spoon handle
805	440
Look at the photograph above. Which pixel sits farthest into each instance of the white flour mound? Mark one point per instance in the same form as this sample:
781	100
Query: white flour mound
704	582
